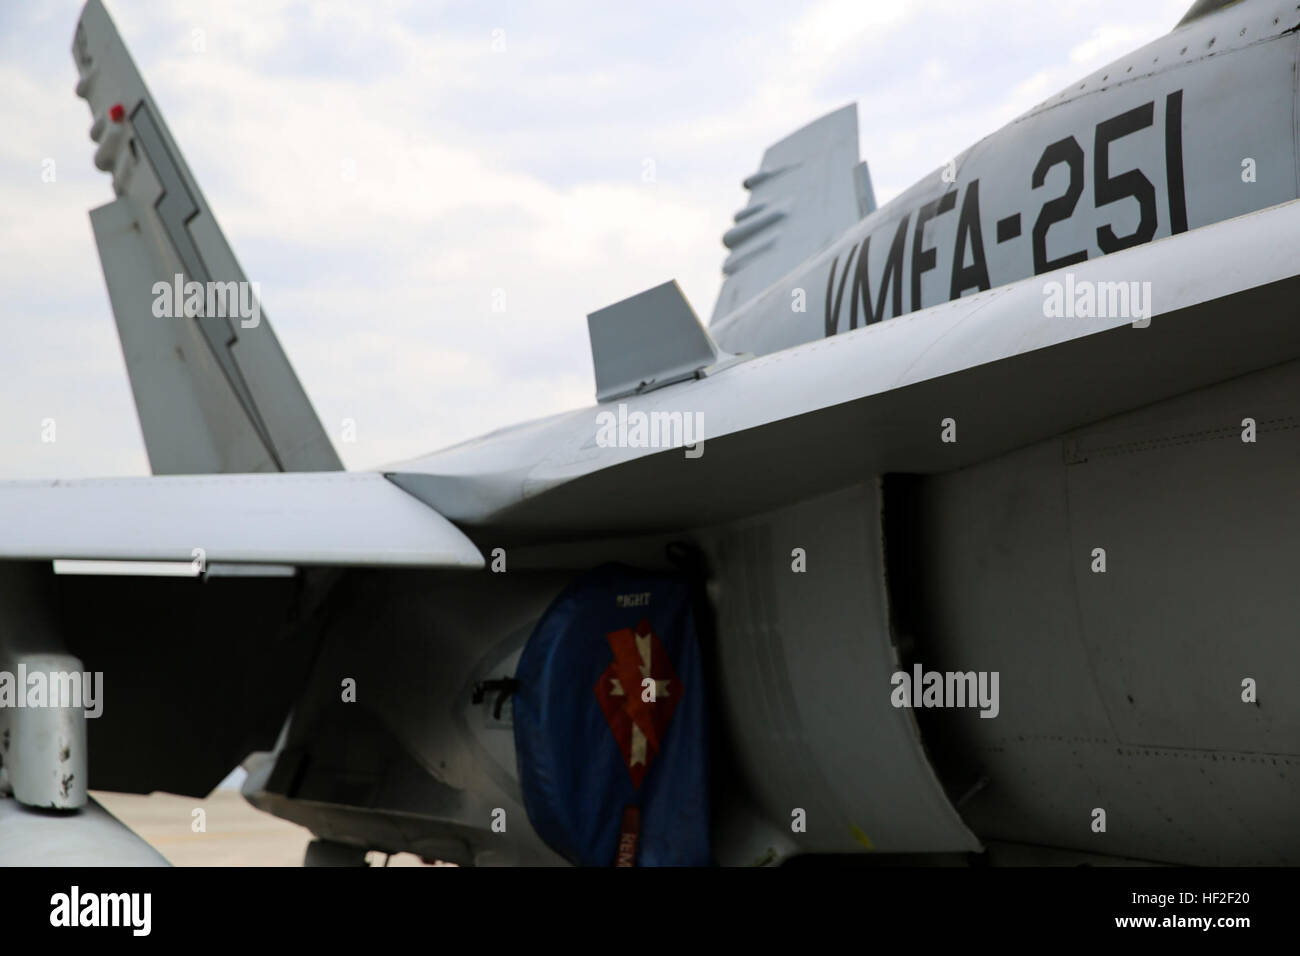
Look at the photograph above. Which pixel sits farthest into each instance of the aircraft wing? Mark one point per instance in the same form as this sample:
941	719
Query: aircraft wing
93	837
819	416
320	518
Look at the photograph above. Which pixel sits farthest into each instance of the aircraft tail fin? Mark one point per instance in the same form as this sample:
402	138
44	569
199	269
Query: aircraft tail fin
808	190
213	388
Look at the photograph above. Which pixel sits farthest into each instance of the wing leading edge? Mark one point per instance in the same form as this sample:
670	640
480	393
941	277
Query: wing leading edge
323	518
823	415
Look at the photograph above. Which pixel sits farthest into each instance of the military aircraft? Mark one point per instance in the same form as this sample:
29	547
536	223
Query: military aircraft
966	531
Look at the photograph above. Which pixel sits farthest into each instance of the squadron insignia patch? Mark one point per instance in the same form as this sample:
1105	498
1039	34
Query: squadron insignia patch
609	720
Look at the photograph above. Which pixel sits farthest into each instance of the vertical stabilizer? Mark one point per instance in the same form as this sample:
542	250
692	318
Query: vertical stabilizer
213	388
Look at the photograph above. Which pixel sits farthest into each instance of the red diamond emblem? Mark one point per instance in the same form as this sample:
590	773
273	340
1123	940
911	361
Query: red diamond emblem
638	693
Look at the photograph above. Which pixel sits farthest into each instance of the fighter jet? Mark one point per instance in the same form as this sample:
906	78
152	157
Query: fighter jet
964	530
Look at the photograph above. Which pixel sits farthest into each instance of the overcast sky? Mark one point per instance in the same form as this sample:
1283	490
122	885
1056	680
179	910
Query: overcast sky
380	168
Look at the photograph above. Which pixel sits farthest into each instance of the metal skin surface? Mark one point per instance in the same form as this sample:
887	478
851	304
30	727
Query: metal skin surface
1060	169
284	518
918	468
92	837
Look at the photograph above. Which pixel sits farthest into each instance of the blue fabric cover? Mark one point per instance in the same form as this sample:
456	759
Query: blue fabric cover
576	728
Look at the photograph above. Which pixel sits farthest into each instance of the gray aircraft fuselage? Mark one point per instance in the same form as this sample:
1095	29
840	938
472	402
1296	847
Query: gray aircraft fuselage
1118	554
